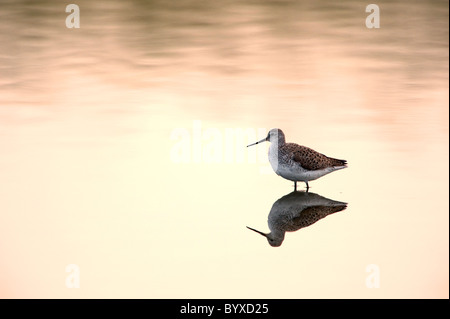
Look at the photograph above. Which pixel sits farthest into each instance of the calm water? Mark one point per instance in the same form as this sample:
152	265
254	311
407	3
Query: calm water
122	149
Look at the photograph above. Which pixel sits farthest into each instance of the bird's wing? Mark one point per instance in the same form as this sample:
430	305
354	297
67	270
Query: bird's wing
312	214
312	160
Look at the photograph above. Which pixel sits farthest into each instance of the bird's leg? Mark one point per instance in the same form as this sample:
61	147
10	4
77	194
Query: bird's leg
295	186
307	186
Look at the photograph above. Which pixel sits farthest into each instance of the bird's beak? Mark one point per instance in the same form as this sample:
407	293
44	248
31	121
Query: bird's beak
263	140
259	232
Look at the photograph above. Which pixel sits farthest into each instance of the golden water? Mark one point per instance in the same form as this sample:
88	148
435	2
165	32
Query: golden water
88	132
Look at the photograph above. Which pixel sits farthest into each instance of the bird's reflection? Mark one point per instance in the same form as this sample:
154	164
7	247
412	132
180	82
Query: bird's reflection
297	210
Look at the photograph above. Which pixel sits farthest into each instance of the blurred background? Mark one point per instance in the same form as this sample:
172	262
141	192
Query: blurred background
87	122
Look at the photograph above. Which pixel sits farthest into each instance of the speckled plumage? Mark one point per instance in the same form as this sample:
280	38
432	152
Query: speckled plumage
295	211
298	163
310	159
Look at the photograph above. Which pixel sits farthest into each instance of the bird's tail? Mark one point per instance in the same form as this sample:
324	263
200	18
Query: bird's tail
338	162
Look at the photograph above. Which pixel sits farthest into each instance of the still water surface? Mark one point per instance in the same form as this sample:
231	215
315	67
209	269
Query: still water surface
122	149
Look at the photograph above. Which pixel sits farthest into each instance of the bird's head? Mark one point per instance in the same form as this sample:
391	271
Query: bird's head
274	135
271	239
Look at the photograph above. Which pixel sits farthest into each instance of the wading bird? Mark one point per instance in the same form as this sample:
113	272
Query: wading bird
298	163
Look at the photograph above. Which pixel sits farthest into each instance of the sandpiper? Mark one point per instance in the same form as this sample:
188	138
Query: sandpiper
295	211
298	163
